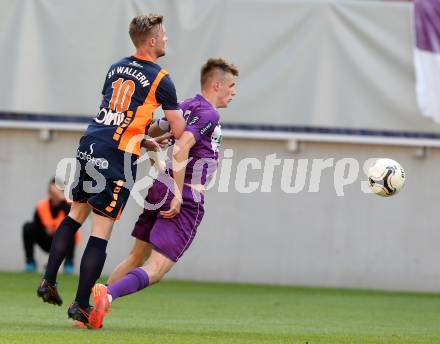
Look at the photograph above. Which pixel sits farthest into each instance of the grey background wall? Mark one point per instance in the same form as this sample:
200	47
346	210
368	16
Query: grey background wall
310	63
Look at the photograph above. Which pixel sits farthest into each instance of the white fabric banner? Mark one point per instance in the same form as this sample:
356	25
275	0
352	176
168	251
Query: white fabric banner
345	63
427	57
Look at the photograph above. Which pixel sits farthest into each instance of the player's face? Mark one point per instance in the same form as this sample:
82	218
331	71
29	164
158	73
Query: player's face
161	41
226	90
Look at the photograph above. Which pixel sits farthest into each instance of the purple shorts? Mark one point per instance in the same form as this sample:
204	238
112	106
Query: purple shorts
170	237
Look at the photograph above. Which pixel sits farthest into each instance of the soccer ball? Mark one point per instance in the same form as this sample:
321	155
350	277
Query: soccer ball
386	177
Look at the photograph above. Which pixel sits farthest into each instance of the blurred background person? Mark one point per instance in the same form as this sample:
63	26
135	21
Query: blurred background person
48	215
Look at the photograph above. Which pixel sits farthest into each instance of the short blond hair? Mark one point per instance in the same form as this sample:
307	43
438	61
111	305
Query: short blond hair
143	26
214	65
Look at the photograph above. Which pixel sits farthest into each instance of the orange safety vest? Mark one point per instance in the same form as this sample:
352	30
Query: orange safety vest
48	221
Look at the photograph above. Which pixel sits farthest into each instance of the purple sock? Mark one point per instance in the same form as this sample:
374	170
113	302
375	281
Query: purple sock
137	279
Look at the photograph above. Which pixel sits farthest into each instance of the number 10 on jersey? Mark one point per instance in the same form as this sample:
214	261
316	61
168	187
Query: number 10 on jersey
122	93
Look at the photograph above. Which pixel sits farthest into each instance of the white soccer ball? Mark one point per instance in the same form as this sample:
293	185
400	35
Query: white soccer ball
386	177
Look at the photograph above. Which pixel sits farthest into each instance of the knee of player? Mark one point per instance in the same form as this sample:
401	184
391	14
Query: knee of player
156	276
79	211
154	268
155	271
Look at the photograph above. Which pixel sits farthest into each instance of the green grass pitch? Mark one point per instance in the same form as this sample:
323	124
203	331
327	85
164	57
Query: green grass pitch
189	312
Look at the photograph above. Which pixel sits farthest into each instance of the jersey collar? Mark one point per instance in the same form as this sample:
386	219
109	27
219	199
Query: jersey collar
142	58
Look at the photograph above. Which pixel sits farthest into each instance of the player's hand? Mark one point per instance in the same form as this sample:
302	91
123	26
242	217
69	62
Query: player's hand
150	144
174	209
156	143
162	140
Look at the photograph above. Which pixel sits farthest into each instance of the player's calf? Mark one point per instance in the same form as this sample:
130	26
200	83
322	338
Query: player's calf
157	266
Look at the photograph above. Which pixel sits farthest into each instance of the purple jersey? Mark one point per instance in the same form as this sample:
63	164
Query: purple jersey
203	122
172	237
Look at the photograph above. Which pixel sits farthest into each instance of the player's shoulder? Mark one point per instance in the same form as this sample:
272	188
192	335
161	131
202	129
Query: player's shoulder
198	103
198	110
187	104
166	81
207	109
122	62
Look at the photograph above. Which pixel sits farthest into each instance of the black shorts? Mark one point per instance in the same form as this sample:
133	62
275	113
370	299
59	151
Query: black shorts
104	176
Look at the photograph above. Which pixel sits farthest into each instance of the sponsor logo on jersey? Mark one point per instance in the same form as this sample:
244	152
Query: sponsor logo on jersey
193	120
135	64
88	156
186	114
205	128
108	117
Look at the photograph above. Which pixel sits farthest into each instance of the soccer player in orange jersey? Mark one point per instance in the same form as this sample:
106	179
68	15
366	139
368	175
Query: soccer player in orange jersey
133	88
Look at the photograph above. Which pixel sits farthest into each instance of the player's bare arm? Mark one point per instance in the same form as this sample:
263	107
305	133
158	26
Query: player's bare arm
180	156
176	121
159	128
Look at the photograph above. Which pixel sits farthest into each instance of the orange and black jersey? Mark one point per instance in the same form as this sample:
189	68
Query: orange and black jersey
132	90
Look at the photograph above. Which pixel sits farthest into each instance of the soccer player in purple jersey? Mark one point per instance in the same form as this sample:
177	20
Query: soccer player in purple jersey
164	232
134	86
